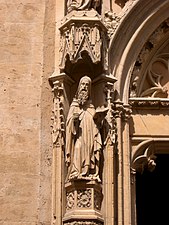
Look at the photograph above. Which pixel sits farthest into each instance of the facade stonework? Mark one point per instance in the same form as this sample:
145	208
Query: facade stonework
84	111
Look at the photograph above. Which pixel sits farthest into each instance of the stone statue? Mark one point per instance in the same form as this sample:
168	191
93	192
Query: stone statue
82	4
83	139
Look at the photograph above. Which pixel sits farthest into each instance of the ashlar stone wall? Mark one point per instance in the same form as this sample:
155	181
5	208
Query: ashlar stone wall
21	64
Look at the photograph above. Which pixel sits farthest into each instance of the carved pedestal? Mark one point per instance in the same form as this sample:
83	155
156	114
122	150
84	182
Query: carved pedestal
83	203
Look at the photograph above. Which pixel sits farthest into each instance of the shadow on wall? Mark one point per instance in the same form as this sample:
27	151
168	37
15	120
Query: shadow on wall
152	193
121	3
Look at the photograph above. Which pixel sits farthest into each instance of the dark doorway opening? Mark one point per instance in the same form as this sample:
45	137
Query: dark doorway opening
152	194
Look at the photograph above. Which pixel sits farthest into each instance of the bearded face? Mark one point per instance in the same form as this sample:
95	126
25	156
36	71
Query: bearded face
83	93
82	97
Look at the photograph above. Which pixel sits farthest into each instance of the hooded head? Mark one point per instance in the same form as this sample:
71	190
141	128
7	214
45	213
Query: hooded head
84	90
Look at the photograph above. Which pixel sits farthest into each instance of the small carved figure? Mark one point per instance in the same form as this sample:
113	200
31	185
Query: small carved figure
82	4
83	139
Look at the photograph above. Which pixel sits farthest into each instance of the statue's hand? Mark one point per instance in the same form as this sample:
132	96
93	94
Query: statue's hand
100	114
67	161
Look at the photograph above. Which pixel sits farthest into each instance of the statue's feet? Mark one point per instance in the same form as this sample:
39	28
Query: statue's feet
85	171
73	176
96	177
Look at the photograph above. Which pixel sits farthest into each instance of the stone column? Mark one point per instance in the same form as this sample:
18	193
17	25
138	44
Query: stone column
59	83
123	204
106	83
133	196
118	108
126	167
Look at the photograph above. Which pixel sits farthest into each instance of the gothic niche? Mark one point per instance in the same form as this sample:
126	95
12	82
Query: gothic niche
83	138
83	155
83	113
82	124
150	75
78	143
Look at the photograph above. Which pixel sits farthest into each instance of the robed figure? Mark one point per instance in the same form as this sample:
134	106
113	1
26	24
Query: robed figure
82	4
83	139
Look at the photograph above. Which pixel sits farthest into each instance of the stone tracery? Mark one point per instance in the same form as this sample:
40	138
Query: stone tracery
147	81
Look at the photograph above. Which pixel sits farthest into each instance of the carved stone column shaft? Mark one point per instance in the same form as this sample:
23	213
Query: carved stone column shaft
122	115
58	82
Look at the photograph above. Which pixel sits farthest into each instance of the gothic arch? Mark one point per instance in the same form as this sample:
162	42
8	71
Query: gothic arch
135	148
129	39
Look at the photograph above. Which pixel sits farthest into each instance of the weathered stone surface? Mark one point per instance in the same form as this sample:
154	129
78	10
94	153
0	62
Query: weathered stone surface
32	168
21	47
146	123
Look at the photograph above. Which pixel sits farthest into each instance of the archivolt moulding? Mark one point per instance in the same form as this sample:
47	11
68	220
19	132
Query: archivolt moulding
130	37
150	74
